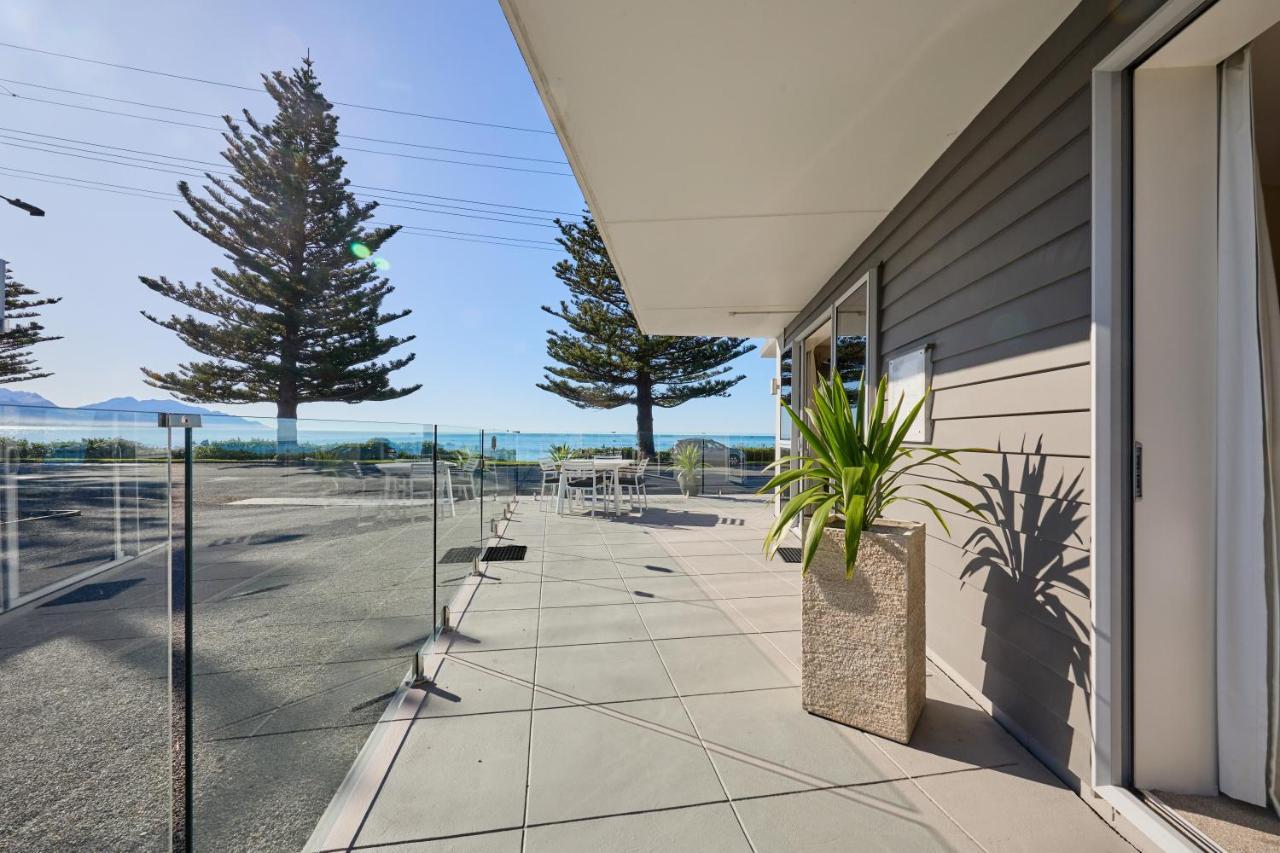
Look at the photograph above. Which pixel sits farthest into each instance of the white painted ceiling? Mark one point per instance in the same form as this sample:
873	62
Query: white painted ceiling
736	152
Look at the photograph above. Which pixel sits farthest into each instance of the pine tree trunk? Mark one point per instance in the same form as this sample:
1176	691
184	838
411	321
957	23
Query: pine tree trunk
287	393
286	425
644	418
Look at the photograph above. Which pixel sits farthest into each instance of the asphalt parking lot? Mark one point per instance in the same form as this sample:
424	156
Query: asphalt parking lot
309	606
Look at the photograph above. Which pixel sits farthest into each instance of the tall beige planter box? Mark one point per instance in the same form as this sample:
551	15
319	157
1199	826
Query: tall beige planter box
863	638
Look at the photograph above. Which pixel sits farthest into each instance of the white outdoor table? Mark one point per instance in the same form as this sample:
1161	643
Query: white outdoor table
610	466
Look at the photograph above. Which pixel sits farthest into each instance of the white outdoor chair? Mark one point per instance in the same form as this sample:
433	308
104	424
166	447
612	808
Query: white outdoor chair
423	478
464	476
550	478
631	482
579	478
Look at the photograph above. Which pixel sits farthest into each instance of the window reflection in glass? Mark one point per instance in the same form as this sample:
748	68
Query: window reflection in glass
851	342
784	394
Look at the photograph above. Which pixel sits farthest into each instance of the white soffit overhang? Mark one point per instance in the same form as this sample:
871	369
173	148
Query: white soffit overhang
736	152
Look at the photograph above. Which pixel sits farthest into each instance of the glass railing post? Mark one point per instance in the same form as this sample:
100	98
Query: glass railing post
181	720
435	527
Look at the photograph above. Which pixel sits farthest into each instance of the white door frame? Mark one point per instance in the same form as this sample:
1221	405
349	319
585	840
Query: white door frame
1112	458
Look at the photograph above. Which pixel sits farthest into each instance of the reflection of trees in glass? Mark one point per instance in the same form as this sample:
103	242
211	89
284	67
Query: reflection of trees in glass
784	380
851	362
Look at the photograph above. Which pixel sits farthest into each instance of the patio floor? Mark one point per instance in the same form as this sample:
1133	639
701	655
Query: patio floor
633	685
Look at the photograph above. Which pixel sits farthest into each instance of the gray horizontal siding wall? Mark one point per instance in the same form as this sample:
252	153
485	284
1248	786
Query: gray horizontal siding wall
987	259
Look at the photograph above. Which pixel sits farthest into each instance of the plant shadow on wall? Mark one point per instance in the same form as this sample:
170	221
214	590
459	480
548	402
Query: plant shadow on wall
1031	562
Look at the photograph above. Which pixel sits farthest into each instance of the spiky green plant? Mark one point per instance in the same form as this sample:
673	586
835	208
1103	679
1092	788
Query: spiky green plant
687	458
560	452
852	468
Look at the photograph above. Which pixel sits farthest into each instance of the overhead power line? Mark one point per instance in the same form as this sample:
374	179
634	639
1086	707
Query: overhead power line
239	86
183	111
211	163
164	168
157	195
400	154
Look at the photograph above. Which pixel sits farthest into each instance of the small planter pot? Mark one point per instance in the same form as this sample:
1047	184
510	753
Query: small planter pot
688	484
863	638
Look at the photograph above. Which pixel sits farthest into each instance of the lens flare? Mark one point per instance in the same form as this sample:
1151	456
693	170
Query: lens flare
360	250
381	264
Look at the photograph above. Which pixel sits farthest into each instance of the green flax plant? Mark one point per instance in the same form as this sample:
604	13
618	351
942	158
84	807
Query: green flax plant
560	452
688	459
852	469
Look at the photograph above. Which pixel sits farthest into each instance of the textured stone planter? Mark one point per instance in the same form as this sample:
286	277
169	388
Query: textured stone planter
863	638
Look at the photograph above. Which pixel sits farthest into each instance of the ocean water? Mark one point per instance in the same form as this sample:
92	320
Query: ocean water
532	445
53	425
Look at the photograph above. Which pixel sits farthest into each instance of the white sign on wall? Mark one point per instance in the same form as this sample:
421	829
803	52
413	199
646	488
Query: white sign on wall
909	376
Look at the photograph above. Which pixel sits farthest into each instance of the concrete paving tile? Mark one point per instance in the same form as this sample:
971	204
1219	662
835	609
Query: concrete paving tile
669	619
787	642
611	672
775	613
716	564
576	569
644	567
719	664
577	593
617	534
603	760
1021	807
490	630
702	548
706	533
749	584
659	587
512	572
953	734
602	623
495	595
705	829
637	550
584	537
488	842
764	742
483	788
890	816
562	552
473	683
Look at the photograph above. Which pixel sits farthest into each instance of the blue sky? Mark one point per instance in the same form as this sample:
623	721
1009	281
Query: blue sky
476	309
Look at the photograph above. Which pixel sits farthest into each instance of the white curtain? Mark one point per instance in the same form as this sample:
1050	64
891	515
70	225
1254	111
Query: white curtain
1269	334
1244	524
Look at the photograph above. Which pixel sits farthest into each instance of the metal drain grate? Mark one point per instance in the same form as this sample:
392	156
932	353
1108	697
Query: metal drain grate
504	553
790	555
463	554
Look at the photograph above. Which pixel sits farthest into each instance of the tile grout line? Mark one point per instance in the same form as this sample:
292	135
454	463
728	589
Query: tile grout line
901	769
533	699
689	716
404	737
657	810
692	571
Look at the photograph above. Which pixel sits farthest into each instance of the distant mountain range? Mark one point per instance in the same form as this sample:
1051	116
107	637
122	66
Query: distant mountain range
11	397
22	398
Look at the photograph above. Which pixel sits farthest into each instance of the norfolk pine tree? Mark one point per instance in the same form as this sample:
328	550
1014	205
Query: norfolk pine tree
295	318
605	361
17	363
